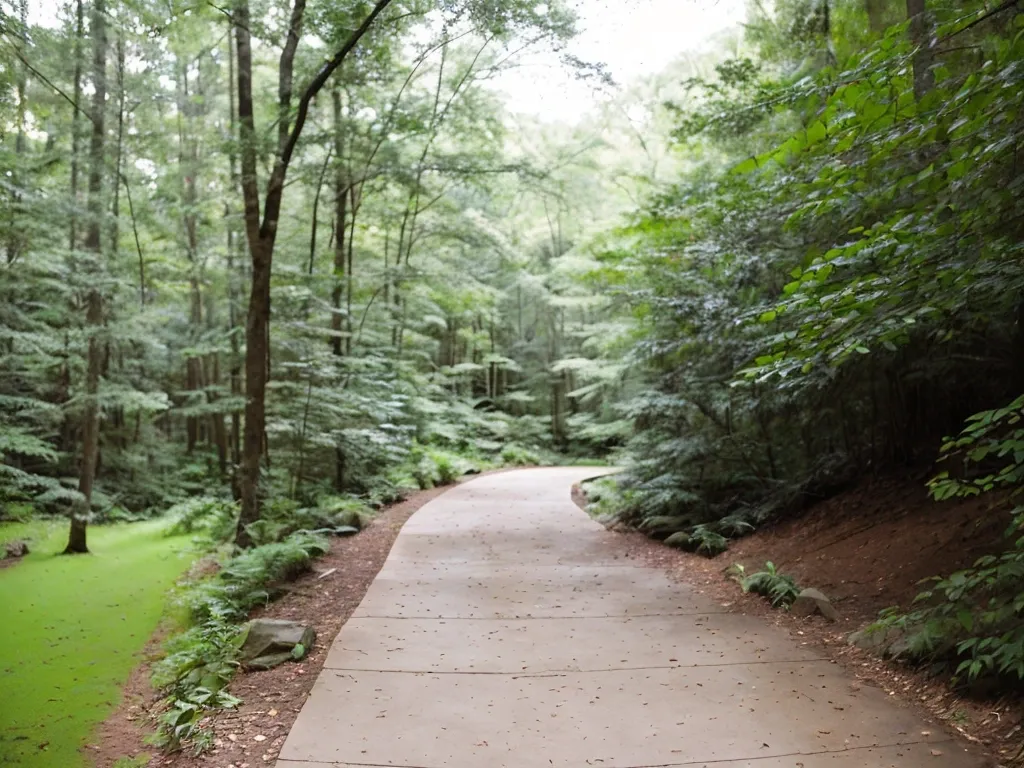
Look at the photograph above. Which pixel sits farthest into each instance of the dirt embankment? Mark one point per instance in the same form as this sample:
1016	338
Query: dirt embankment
867	549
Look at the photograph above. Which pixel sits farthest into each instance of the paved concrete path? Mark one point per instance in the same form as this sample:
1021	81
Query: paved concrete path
506	631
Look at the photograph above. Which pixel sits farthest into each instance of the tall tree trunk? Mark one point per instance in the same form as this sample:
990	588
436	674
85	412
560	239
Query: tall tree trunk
21	87
94	301
234	242
261	226
340	227
920	35
188	165
875	10
257	321
76	121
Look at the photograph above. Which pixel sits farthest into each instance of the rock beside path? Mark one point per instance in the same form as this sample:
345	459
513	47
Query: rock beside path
270	642
16	549
812	601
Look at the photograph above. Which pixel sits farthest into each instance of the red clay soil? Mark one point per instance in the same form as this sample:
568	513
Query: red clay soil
866	549
252	734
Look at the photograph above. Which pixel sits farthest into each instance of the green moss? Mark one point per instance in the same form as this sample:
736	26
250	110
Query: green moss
40	534
71	631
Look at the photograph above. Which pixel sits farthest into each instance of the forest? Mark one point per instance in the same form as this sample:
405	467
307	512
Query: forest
269	265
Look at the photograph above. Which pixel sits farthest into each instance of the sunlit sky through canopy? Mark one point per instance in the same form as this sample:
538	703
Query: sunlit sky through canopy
631	37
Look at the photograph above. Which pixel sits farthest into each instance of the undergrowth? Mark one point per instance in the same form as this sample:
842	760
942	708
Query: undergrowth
973	620
780	589
201	661
612	502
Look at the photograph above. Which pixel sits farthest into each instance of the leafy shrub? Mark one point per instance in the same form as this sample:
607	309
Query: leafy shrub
707	541
444	467
515	455
605	498
700	539
251	578
334	515
975	618
201	661
779	588
211	517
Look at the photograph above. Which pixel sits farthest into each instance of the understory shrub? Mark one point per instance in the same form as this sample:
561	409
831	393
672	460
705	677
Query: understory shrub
779	589
515	455
973	620
202	660
212	517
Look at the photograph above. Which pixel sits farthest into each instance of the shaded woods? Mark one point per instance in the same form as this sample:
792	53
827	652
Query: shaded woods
285	253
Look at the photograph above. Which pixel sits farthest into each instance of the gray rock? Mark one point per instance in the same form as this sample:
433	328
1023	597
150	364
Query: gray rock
269	661
16	548
810	602
269	642
680	540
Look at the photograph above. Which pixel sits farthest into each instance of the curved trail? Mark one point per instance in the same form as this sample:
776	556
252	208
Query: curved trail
506	630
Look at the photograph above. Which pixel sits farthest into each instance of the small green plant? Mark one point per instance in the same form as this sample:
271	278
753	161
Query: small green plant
515	455
605	498
444	467
700	539
707	542
208	516
778	588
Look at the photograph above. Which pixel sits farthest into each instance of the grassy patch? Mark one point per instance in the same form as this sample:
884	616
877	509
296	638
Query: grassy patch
40	534
72	628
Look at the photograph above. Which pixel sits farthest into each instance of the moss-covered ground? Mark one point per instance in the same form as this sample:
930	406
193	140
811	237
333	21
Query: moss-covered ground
71	628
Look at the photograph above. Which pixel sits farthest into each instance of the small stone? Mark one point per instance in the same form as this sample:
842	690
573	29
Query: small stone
16	548
811	601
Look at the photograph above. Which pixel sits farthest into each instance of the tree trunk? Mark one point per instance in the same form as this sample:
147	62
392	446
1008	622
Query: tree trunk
261	227
875	10
94	302
234	242
14	238
76	126
340	225
920	36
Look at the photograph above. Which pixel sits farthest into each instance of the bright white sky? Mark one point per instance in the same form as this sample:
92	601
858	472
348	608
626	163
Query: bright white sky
632	37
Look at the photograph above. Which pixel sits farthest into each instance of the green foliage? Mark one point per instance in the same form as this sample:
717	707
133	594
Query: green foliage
707	542
212	518
517	456
833	280
974	618
201	661
778	588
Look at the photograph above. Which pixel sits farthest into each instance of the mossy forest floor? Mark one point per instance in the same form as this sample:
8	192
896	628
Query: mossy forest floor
71	631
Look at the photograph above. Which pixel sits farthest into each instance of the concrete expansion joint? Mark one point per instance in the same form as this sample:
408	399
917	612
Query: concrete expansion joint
594	671
283	763
516	617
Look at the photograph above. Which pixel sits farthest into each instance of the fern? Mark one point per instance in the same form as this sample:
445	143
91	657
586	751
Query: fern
778	588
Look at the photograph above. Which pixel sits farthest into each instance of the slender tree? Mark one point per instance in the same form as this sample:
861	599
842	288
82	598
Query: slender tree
94	296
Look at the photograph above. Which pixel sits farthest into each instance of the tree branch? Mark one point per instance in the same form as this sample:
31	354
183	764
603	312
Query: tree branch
275	186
